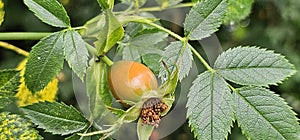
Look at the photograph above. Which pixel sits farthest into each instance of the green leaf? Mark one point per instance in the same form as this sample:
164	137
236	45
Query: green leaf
166	3
56	118
133	113
147	37
140	43
141	39
261	114
136	3
103	4
110	34
9	84
168	89
13	126
117	111
237	10
97	89
210	107
144	131
92	28
143	17
253	66
1	12
44	62
6	76
139	3
75	52
152	62
177	55
49	11
204	18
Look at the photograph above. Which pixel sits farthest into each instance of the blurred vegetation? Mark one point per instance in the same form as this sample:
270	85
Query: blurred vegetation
272	24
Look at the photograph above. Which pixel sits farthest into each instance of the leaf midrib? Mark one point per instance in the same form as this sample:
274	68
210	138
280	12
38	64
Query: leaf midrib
76	51
253	67
204	17
211	103
38	5
55	117
47	60
254	108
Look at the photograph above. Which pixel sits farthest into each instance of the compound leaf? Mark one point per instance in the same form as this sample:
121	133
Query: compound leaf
253	66
261	114
76	53
44	62
210	107
13	126
204	18
56	118
50	12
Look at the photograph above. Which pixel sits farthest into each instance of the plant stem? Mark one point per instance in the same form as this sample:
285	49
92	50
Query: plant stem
184	40
23	35
231	87
202	60
94	52
159	8
165	30
13	48
106	60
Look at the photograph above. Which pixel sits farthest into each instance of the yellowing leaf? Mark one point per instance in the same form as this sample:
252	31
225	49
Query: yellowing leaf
14	127
25	97
1	12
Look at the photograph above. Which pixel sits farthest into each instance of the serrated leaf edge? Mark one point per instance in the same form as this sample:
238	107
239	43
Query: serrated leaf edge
263	49
283	101
45	127
233	119
41	18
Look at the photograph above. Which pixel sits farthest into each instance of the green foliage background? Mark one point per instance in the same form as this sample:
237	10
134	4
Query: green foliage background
272	24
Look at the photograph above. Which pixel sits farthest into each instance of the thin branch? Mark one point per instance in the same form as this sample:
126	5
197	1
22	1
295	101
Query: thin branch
13	48
23	35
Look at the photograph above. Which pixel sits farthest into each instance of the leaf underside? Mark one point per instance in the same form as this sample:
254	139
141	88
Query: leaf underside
97	90
261	114
56	118
140	45
110	34
210	107
76	53
177	55
253	66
